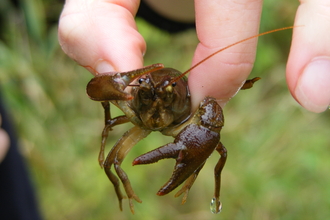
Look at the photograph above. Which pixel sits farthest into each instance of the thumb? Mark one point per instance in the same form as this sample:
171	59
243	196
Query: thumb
4	142
308	69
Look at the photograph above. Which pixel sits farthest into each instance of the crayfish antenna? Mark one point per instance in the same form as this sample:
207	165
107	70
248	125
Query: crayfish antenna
224	48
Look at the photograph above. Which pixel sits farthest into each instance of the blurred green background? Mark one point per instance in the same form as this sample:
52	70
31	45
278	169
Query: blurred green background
278	163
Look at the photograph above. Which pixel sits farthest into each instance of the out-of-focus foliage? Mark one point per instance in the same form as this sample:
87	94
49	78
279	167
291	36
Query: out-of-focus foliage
278	163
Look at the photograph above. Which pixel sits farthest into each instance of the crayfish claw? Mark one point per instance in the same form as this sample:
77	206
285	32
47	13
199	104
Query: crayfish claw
111	86
180	174
107	87
170	150
190	153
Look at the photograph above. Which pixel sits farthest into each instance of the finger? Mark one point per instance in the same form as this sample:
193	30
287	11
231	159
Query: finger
308	69
220	23
4	142
102	35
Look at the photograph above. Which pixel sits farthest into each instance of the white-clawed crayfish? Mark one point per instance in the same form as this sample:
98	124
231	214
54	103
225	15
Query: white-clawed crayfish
159	100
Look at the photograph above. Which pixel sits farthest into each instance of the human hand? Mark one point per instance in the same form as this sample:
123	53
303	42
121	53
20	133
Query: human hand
102	36
308	68
4	142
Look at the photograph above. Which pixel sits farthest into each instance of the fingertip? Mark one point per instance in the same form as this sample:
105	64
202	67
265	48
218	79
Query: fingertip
222	75
103	66
4	144
308	69
313	87
102	37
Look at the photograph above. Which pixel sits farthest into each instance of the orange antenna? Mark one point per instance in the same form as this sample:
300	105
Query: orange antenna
222	49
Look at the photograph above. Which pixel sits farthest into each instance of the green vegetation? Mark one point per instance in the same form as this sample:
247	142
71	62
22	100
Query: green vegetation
278	161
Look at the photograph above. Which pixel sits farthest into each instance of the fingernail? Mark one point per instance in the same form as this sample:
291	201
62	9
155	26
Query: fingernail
103	67
313	88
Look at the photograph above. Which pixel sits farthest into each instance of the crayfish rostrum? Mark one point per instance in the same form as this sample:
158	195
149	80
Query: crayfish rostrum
155	98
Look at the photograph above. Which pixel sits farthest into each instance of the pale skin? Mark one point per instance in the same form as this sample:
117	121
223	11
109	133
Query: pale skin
4	142
102	36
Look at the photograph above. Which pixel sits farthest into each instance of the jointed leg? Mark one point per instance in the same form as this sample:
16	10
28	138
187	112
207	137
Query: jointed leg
116	157
116	184
112	121
109	123
217	176
188	184
127	186
249	83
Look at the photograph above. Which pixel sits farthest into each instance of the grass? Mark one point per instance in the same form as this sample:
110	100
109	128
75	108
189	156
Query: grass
277	168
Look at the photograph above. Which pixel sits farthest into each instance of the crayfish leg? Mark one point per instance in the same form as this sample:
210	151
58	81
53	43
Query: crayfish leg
216	204
188	184
105	133
109	123
249	83
116	157
128	188
116	184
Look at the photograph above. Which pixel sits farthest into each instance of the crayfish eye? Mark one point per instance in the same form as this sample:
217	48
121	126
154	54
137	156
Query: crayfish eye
141	80
174	84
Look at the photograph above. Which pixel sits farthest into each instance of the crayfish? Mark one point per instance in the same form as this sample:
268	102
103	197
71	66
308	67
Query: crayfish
155	98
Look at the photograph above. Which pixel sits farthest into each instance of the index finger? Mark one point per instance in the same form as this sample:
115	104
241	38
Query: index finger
102	35
218	24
